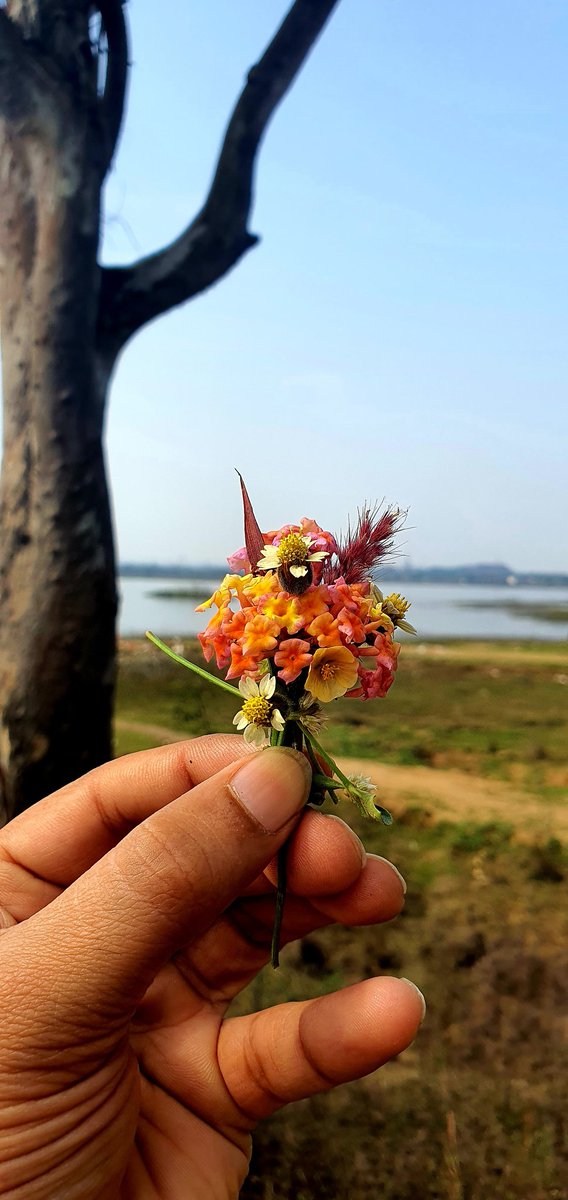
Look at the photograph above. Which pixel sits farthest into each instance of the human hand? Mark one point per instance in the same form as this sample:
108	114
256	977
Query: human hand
137	902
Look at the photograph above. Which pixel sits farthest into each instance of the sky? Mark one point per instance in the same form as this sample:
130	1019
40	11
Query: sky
400	331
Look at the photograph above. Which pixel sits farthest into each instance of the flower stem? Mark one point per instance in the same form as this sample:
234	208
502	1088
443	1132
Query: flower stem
279	909
227	687
326	758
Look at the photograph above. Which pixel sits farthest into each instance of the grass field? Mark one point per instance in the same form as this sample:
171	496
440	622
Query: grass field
470	747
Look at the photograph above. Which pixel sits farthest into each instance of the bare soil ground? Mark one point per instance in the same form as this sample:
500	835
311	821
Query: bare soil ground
458	795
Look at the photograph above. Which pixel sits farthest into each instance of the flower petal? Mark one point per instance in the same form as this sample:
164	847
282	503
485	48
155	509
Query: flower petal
266	686
248	688
255	735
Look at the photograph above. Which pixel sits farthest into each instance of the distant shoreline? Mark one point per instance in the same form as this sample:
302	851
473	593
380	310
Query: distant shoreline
481	574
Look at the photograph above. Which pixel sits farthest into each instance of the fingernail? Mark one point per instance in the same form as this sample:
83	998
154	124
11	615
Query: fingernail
419	993
396	871
273	786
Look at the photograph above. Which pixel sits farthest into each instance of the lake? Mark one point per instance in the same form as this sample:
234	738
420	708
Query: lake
438	610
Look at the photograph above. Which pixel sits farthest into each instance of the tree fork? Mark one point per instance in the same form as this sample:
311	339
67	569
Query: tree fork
64	323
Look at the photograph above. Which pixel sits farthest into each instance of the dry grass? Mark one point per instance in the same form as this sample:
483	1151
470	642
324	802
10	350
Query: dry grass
476	1109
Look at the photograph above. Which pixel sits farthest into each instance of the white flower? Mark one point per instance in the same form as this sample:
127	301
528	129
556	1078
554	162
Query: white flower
258	715
293	551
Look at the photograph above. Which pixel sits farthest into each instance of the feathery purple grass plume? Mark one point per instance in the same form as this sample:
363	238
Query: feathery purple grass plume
363	548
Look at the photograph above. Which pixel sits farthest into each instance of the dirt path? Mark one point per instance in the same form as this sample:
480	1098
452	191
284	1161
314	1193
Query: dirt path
458	796
449	794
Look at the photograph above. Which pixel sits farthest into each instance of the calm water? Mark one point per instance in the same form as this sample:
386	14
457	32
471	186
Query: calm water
438	610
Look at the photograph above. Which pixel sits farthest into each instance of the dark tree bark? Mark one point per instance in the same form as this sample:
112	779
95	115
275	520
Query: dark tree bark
64	322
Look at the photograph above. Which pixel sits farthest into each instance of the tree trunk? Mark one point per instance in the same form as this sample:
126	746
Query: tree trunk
57	588
64	322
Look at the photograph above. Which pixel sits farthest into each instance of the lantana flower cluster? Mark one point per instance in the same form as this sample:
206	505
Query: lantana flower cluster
296	622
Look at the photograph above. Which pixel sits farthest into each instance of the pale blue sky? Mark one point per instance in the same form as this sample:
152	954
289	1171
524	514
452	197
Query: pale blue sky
401	329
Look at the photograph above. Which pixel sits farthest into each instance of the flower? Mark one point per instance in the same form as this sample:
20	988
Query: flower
332	672
239	561
292	551
325	630
283	609
260	636
292	656
376	683
310	713
258	715
241	663
362	791
395	606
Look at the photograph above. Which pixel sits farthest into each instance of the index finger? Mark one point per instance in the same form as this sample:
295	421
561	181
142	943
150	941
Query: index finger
51	844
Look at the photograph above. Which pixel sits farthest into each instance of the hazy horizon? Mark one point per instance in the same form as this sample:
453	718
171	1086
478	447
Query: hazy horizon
390	564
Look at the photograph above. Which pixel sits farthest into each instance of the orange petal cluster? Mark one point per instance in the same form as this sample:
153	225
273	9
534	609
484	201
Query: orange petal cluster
333	639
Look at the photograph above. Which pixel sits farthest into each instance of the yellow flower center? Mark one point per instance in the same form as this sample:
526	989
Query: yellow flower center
292	550
257	710
396	605
328	670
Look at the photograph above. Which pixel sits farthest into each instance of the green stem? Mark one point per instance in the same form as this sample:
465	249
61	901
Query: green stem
279	909
227	687
326	757
331	785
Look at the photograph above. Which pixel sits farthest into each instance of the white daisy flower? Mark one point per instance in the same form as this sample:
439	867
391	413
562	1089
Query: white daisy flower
258	714
293	551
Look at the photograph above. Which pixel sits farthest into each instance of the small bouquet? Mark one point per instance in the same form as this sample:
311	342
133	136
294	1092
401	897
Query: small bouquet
300	622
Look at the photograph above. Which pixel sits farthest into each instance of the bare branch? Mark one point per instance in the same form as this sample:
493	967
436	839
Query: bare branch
217	237
17	94
114	94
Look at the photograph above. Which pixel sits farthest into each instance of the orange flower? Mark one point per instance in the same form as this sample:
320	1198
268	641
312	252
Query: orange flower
255	587
260	636
332	672
234	623
241	663
325	630
223	595
312	604
292	656
216	643
282	608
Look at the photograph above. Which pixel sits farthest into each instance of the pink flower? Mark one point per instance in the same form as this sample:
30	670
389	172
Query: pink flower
376	683
292	656
351	626
239	561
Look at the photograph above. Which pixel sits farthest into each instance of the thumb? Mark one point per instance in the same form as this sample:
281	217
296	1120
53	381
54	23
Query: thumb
167	881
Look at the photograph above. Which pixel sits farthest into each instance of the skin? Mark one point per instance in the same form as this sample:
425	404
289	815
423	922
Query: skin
136	904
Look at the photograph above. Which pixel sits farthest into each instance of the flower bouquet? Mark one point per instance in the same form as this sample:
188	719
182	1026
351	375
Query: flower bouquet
300	622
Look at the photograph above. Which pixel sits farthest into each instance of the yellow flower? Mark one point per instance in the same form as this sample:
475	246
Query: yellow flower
293	551
396	607
333	671
258	715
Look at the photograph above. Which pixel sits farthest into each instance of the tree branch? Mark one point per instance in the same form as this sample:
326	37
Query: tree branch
217	237
18	96
114	95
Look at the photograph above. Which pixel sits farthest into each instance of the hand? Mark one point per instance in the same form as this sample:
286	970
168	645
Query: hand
138	902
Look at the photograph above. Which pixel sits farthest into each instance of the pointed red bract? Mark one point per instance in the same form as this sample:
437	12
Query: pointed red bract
254	540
